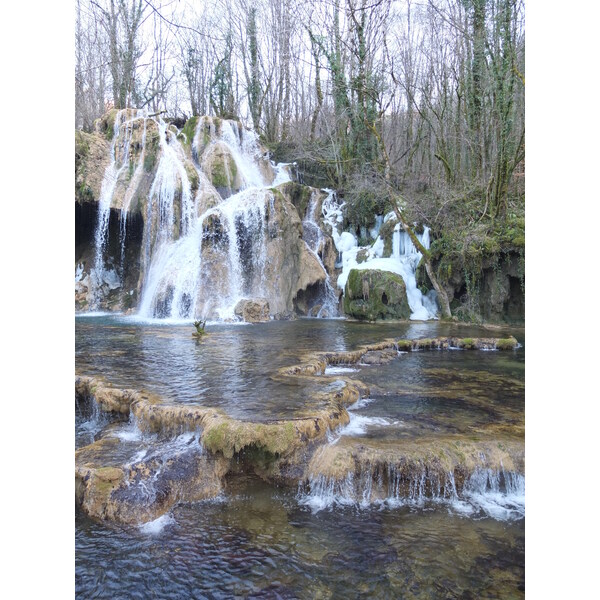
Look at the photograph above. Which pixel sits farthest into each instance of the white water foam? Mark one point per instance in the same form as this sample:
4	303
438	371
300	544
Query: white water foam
404	259
336	370
119	161
359	425
496	494
176	275
156	526
314	239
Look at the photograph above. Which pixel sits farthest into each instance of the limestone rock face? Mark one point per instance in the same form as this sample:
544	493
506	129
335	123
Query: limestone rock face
91	160
290	266
253	311
372	294
219	165
500	287
145	490
171	183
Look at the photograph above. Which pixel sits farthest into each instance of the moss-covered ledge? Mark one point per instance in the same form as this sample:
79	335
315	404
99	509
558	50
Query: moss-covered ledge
316	364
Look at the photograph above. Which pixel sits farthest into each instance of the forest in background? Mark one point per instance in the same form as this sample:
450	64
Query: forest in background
390	102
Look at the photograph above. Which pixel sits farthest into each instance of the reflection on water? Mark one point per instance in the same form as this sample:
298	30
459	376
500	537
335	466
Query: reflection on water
232	366
259	541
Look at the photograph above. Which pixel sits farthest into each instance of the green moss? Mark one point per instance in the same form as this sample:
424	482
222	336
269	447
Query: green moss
424	343
386	233
373	294
506	344
84	193
232	437
192	176
218	174
214	438
299	195
361	256
109	124
467	343
232	168
189	130
151	155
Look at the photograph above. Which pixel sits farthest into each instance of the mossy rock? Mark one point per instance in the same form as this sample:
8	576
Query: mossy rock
218	175
362	255
467	343
373	294
222	170
152	149
108	123
82	146
189	130
193	177
298	194
386	233
507	343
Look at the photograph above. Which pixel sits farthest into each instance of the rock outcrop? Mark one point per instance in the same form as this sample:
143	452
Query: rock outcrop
253	311
373	294
171	185
187	450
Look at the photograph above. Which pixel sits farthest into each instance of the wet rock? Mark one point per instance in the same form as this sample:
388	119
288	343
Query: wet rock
428	467
145	490
219	166
108	398
372	294
286	315
253	311
111	486
91	160
379	357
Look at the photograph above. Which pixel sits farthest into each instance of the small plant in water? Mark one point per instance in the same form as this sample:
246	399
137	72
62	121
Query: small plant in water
200	325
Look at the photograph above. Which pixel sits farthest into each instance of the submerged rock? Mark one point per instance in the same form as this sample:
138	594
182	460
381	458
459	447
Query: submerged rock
379	357
373	294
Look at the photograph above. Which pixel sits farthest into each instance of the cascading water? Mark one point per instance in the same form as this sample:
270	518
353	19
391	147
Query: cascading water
119	161
498	493
313	236
244	149
403	261
234	230
131	189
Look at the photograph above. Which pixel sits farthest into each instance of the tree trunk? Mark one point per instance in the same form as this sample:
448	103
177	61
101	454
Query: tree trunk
441	292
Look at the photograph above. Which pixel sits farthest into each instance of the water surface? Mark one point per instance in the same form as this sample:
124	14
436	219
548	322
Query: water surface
261	541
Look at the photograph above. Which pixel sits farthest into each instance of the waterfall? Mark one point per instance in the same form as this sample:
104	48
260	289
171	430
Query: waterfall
204	243
223	249
403	261
129	193
314	239
119	161
497	493
244	149
407	258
